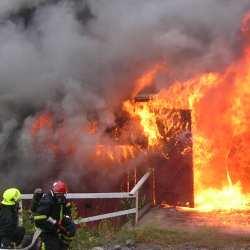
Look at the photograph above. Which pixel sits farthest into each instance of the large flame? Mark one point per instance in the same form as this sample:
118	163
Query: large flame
220	137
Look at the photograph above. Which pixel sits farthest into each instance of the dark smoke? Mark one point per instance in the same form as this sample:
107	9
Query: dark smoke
80	60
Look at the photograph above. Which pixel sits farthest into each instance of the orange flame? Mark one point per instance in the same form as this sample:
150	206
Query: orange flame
147	78
43	121
220	129
148	121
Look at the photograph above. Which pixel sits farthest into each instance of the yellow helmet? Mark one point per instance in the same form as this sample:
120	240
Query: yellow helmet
11	196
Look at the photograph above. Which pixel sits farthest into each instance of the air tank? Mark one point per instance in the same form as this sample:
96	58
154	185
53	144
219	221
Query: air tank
38	193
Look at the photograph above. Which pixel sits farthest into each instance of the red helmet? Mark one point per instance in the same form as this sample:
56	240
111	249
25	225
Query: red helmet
59	190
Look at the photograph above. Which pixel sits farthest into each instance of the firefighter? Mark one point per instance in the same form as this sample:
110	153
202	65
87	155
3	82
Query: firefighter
53	216
11	234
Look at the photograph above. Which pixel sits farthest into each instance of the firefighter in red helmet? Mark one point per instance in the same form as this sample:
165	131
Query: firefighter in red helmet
53	216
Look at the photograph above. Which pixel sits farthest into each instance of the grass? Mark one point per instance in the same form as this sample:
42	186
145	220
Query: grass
105	233
203	237
177	238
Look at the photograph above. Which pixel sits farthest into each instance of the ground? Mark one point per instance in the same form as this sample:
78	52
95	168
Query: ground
230	225
165	217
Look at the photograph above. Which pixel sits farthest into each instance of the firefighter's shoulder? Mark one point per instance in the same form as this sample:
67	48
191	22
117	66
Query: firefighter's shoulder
45	199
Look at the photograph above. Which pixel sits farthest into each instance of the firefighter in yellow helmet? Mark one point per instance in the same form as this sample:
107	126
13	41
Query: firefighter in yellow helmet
11	235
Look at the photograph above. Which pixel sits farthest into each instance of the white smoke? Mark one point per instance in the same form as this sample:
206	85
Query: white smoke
80	60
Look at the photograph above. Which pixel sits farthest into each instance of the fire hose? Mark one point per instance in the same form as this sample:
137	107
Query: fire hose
35	236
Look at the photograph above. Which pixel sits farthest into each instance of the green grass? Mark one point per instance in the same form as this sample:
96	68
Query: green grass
105	233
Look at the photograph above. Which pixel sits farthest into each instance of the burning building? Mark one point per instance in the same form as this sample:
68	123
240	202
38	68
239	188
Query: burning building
95	94
164	136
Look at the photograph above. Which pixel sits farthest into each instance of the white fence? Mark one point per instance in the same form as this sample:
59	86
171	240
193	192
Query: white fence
133	194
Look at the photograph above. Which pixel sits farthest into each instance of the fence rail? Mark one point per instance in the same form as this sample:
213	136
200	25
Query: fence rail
133	194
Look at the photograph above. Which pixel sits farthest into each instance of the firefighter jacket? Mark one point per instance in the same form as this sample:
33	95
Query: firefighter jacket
47	207
8	220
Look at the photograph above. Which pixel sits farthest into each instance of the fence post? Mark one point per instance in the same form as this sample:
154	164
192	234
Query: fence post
135	202
135	205
20	216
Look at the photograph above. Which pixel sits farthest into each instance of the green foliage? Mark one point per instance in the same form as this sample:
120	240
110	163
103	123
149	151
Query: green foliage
74	212
84	239
127	204
124	205
143	200
27	222
105	233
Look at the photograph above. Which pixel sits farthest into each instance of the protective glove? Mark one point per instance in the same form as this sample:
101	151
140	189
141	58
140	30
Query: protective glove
58	228
62	229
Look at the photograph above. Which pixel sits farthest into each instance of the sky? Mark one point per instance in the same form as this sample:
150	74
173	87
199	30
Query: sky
80	60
